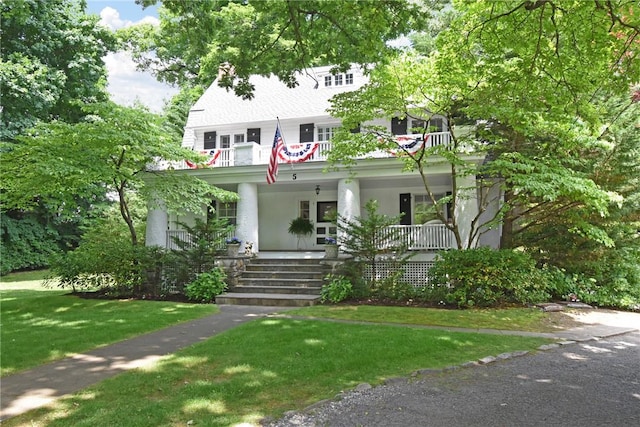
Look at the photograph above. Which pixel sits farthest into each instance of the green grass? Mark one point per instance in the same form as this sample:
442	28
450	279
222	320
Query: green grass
519	319
265	368
39	325
25	276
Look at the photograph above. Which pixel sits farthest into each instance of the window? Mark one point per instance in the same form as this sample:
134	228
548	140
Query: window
228	211
209	140
425	211
418	126
348	79
327	80
238	138
225	141
338	79
399	126
325	133
303	209
306	132
436	124
253	134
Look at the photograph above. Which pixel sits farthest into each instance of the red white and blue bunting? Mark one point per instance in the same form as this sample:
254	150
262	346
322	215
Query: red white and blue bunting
409	145
213	157
297	153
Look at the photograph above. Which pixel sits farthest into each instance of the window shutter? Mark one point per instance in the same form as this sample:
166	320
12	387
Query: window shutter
209	140
306	132
253	135
399	126
405	208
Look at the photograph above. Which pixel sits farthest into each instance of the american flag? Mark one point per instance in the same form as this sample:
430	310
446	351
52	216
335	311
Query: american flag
272	170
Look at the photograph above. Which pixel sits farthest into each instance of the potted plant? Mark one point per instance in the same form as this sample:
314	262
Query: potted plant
301	227
330	247
233	246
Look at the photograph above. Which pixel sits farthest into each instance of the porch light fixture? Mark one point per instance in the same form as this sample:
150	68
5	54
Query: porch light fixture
317	190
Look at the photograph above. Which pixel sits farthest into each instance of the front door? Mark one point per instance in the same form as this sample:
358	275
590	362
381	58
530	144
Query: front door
325	212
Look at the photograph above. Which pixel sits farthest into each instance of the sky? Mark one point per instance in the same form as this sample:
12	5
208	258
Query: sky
125	83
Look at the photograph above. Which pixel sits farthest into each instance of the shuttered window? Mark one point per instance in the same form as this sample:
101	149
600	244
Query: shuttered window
253	135
399	126
306	132
209	140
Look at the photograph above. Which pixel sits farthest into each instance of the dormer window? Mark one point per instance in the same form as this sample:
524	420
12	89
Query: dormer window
331	80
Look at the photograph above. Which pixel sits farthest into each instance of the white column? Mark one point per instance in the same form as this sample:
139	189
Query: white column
349	198
247	214
466	208
157	222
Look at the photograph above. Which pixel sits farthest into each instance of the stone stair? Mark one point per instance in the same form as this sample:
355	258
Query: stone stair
277	282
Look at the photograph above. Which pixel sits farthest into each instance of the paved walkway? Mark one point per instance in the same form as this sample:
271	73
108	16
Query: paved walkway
37	387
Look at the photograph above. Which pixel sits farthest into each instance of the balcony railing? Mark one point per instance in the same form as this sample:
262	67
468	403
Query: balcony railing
226	157
435	139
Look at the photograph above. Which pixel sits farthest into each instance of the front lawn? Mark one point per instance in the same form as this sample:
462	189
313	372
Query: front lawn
517	319
265	368
40	325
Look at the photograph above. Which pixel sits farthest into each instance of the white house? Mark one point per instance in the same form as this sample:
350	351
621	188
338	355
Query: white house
239	134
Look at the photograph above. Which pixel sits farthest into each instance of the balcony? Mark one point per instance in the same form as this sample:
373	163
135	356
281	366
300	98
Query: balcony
255	154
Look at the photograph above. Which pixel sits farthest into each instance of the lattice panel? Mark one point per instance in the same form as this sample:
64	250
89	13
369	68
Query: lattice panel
415	272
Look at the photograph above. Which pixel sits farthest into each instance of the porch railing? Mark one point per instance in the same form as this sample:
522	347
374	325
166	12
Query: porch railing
430	237
183	236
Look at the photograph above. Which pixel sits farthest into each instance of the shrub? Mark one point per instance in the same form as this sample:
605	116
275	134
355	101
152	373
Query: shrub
484	277
393	288
207	286
338	289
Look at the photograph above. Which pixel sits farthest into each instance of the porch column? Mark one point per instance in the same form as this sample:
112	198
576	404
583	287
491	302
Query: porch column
349	198
466	208
157	222
247	214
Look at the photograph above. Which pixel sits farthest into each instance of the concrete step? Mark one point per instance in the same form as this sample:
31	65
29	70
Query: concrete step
278	281
277	274
277	300
251	289
318	269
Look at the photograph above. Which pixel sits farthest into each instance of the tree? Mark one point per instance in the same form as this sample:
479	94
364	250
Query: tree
532	72
231	40
403	88
51	58
113	150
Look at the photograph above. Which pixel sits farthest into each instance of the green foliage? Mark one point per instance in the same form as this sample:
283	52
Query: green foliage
485	277
26	244
266	37
106	259
51	59
368	236
111	150
337	289
207	286
393	288
301	226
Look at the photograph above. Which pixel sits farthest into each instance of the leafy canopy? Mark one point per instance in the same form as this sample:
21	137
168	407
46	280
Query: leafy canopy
196	39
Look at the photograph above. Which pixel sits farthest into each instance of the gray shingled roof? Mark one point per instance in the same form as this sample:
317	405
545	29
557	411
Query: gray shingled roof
272	99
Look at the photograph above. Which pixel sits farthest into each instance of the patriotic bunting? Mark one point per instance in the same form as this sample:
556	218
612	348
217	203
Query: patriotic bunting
409	145
213	154
298	153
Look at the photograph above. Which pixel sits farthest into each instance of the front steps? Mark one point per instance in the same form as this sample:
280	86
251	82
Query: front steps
286	282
